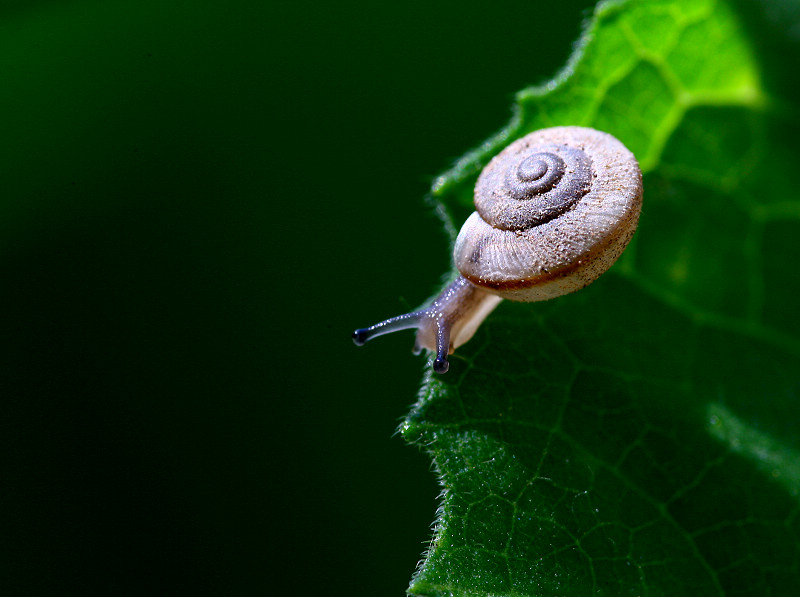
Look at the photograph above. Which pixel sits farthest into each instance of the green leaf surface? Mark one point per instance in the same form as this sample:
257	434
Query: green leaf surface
639	437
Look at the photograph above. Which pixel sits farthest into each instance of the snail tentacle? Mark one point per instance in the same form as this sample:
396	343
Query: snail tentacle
447	323
394	324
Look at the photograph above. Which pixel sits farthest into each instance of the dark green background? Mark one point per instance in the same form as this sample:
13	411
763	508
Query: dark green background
200	201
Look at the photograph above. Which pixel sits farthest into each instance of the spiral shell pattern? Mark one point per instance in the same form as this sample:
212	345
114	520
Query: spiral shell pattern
555	209
538	187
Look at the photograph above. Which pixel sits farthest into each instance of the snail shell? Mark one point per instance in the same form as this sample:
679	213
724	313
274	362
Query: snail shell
555	209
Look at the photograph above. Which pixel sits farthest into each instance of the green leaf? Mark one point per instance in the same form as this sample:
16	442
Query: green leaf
638	437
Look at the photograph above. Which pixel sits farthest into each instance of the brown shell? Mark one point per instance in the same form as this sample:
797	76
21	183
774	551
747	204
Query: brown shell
556	208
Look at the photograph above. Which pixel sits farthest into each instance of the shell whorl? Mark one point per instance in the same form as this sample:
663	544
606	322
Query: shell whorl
535	187
554	211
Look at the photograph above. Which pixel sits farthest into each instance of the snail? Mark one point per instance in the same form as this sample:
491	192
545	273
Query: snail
554	210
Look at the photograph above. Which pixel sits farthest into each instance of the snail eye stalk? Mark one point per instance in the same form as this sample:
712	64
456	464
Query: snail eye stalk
394	324
415	320
449	321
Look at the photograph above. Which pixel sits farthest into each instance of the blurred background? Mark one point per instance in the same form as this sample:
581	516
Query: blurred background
201	200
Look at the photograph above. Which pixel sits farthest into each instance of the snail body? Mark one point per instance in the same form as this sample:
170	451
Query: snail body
554	210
